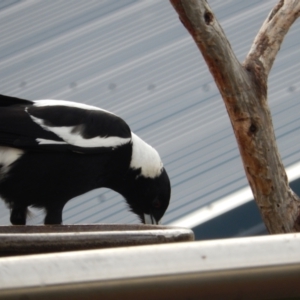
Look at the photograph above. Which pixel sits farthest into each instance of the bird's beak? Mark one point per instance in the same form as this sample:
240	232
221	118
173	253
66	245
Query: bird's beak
149	219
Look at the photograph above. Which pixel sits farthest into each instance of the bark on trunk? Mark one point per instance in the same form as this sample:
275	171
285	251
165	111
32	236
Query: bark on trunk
244	90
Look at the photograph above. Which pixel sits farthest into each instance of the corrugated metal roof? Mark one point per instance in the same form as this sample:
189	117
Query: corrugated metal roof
134	57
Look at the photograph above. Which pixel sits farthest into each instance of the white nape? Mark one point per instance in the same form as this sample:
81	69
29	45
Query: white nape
145	157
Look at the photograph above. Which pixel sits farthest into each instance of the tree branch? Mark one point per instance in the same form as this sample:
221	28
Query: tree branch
244	91
270	36
201	23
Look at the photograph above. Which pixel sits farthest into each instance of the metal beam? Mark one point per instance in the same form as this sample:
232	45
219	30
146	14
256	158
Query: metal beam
266	267
18	240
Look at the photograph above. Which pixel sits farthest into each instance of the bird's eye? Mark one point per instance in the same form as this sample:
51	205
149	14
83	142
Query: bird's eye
156	203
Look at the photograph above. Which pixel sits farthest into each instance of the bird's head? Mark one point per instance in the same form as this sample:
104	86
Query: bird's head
148	186
149	197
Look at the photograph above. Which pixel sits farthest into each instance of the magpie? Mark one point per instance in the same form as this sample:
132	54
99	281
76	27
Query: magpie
54	150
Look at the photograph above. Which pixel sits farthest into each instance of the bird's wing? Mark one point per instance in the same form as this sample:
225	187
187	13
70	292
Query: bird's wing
59	126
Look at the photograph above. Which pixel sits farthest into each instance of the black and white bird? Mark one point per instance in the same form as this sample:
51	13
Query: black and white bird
53	150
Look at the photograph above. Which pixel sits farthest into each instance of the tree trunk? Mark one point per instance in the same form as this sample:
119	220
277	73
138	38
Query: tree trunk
244	90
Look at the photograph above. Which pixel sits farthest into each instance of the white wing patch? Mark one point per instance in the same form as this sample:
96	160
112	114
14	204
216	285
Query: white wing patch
8	155
49	102
145	157
73	137
49	142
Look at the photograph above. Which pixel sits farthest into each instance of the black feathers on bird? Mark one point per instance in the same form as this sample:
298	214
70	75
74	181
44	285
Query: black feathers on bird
53	150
